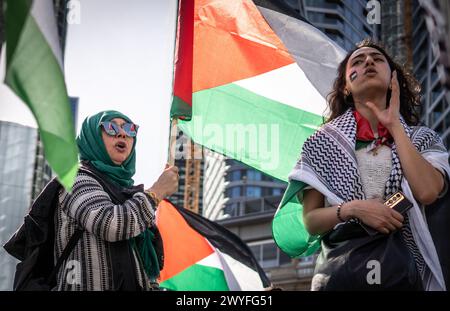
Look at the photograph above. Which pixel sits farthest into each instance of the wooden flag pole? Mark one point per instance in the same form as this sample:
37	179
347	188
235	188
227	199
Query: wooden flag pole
172	141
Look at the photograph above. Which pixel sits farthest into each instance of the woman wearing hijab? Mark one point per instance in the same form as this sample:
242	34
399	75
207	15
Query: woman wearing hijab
118	244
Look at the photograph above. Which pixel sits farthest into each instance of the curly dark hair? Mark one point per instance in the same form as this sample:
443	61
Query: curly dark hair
410	107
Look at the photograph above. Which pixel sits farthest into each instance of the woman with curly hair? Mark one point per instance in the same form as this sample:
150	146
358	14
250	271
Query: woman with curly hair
369	148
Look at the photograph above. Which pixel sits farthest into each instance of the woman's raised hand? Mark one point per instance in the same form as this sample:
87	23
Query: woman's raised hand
167	183
391	115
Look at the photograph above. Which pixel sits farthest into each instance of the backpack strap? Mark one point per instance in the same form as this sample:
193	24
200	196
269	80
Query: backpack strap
65	254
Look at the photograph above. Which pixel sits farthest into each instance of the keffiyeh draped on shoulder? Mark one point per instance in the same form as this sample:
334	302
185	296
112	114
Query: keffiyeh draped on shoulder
328	164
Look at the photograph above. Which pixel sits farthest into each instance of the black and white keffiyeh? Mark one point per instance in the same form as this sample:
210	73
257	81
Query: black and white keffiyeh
328	163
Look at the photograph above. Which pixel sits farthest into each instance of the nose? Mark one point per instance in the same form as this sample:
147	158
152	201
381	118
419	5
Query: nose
369	60
121	133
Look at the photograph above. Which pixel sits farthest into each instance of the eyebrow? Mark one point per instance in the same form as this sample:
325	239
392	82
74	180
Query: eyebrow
364	54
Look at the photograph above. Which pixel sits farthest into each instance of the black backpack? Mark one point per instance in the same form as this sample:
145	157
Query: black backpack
33	242
438	220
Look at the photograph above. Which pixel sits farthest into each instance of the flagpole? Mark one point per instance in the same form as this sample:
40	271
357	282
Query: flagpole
173	140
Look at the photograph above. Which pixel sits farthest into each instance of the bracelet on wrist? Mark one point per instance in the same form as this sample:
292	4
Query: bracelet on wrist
338	212
152	195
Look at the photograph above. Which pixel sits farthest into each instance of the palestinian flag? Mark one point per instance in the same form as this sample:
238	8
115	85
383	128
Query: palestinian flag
202	255
254	75
34	72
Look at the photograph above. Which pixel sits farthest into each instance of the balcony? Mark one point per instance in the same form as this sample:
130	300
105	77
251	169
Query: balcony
255	206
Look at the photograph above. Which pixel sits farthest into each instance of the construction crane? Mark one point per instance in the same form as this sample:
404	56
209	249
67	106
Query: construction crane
193	177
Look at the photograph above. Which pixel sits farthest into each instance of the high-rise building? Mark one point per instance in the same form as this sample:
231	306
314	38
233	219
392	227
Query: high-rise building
214	185
344	21
407	37
396	29
249	191
436	108
17	167
74	109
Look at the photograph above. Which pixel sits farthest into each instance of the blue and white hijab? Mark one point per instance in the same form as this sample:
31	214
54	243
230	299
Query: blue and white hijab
328	164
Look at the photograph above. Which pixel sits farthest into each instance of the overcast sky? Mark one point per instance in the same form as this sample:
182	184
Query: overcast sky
120	56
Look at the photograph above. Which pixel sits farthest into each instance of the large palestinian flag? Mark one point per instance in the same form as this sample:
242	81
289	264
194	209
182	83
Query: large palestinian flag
201	255
253	77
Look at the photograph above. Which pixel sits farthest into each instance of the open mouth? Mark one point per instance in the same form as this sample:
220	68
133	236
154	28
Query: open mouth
121	146
370	71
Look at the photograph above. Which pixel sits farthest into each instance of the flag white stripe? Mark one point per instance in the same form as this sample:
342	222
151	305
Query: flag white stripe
247	278
288	85
317	55
212	261
44	16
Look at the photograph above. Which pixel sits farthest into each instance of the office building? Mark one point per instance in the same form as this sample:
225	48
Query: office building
17	167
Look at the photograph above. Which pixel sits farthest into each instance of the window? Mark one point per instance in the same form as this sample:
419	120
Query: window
233	192
253	175
268	254
276	191
253	192
256	250
252	207
232	209
267	191
235	175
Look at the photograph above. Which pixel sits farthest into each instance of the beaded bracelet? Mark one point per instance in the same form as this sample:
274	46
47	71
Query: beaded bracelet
152	195
338	212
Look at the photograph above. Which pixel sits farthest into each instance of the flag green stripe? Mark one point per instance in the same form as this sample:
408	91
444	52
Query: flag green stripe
288	229
34	74
180	109
230	108
197	278
18	11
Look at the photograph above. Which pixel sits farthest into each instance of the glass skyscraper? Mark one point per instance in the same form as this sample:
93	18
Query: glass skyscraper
344	21
407	38
436	108
17	166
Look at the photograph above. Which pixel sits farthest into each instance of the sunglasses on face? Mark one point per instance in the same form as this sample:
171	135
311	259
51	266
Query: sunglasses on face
112	128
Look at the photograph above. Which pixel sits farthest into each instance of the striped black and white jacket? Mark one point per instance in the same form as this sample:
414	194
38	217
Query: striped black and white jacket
89	207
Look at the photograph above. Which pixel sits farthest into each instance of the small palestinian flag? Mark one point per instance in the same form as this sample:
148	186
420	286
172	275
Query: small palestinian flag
35	73
201	255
